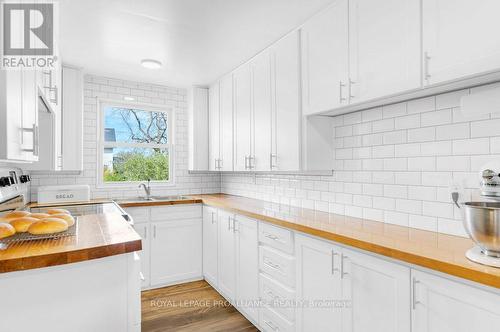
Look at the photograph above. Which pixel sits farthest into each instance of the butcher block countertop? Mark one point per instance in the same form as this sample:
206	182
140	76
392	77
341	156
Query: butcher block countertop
98	236
440	252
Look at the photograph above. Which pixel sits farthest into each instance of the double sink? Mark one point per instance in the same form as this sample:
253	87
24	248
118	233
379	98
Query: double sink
153	199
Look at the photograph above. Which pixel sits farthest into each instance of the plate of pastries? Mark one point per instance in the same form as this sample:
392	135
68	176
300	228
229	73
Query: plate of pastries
25	225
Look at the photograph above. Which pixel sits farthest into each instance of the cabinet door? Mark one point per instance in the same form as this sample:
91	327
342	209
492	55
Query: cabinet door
318	279
384	47
11	115
210	237
378	292
324	41
227	256
261	87
144	231
176	251
226	127
31	136
247	266
242	118
214	127
286	122
456	38
442	305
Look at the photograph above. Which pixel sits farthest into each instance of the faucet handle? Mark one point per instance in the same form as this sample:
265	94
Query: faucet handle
488	176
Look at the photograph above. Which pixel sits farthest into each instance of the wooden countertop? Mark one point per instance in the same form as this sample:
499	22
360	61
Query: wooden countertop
132	203
440	252
98	236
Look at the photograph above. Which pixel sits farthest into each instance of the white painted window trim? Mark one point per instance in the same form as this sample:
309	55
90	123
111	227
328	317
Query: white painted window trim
101	104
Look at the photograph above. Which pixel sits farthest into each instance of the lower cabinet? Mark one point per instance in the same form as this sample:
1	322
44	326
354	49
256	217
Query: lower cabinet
443	305
378	294
175	251
210	245
319	285
171	243
247	266
227	255
144	231
349	291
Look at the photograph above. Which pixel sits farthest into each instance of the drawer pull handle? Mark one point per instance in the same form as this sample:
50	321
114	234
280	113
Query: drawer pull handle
271	325
414	301
272	237
342	273
272	265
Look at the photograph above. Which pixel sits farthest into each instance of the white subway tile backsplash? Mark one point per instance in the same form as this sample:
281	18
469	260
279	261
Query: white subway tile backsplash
394	164
436	118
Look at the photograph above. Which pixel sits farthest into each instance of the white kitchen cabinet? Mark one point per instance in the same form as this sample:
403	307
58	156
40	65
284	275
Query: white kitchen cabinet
378	292
443	305
318	279
325	59
72	118
247	266
144	231
227	255
176	251
458	40
18	116
286	100
226	123
214	127
384	47
262	111
242	119
210	245
198	129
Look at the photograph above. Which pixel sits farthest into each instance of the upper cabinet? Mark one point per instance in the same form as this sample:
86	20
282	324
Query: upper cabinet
214	127
459	39
325	59
242	119
286	137
384	47
19	129
226	123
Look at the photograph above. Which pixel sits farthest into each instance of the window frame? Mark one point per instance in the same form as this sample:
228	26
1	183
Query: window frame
101	144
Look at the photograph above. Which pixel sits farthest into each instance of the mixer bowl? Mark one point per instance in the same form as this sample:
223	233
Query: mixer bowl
482	222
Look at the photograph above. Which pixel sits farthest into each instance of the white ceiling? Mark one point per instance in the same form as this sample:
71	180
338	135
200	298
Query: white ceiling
196	40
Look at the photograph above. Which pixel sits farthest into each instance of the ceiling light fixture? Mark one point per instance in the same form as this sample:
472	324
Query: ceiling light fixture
128	98
151	64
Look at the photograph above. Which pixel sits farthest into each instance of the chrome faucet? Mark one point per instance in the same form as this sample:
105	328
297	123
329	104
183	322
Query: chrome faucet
147	189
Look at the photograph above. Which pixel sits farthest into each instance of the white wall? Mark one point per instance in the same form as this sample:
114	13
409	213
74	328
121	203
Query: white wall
393	164
100	87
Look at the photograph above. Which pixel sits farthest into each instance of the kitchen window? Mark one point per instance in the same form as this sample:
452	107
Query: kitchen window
135	144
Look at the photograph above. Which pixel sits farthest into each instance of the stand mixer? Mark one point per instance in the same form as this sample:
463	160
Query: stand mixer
482	219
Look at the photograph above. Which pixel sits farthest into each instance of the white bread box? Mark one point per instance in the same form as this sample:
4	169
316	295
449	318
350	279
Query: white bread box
63	194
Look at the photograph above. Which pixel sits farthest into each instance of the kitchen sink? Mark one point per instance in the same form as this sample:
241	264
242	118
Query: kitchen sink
153	199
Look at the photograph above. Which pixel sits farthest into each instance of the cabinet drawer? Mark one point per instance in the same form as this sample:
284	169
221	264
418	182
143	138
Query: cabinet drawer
176	212
272	322
276	237
138	214
280	298
278	265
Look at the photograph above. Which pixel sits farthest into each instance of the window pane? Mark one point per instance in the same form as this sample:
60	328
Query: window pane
134	126
135	164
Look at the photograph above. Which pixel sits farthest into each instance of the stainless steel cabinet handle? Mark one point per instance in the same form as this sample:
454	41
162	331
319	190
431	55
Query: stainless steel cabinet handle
351	82
213	217
414	301
154	232
215	163
250	159
246	164
333	262
273	157
272	237
271	325
35	140
272	265
228	223
234	225
342	273
341	98
145	233
427	58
